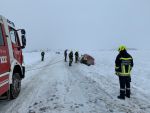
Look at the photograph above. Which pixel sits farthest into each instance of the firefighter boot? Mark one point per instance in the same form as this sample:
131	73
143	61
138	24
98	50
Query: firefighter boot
122	95
128	92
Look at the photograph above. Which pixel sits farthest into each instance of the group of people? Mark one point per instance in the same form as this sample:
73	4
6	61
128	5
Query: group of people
123	67
70	55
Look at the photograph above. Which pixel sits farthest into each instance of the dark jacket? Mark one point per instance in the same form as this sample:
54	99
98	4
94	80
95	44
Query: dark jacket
71	55
65	53
76	54
123	63
42	53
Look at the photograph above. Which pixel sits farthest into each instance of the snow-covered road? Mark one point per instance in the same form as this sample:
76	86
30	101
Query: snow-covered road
54	87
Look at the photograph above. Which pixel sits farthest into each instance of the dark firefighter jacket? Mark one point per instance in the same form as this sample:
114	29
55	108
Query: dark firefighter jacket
42	53
123	63
76	54
71	55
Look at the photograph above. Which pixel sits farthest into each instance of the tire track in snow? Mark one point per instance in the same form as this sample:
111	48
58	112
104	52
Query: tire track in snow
30	87
64	97
112	104
86	90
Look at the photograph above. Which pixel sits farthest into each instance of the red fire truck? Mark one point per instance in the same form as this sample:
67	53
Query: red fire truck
12	71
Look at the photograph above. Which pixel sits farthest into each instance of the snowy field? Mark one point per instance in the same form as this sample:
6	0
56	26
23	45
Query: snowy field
54	87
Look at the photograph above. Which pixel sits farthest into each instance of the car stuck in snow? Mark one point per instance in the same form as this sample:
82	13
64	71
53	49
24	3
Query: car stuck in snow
87	59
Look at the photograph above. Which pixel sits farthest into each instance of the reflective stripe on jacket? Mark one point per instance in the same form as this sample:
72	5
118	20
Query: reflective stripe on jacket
124	64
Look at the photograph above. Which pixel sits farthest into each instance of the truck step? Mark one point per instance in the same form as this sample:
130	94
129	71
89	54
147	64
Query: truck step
3	98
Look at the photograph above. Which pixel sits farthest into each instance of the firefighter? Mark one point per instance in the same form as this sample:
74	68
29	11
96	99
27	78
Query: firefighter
123	67
42	55
70	58
65	55
76	56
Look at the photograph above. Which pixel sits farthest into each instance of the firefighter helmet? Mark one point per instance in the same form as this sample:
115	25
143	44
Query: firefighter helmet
121	48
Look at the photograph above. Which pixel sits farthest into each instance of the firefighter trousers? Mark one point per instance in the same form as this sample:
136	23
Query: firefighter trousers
124	86
70	62
42	59
76	59
65	58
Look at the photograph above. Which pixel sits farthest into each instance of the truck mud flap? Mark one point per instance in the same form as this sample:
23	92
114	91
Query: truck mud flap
23	70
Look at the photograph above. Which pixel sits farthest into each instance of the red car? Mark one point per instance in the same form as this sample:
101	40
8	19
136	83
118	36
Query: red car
87	59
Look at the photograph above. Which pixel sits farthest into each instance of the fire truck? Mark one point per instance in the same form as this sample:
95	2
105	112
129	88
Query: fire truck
12	70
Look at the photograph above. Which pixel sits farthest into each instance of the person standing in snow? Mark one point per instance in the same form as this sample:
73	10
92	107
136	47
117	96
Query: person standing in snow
42	55
70	58
76	56
123	67
65	55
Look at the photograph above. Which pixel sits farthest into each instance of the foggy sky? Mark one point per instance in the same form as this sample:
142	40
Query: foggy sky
81	24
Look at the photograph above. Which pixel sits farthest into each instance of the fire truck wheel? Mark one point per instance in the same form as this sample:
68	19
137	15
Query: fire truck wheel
15	87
